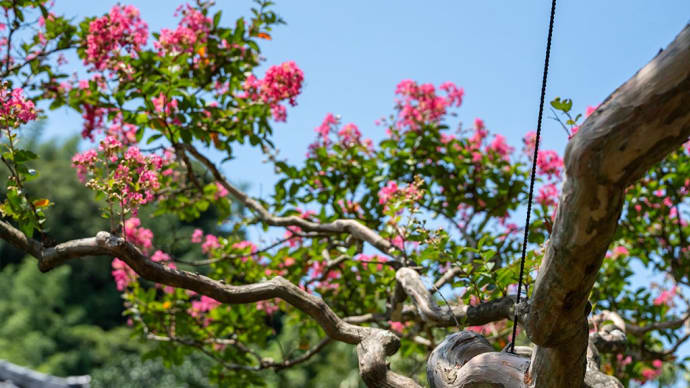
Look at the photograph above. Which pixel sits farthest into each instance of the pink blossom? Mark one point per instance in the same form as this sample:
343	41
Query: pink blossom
397	326
499	146
549	164
548	195
620	251
349	134
192	29
221	191
123	274
211	242
203	305
530	140
164	104
623	361
160	256
15	109
666	297
197	235
141	237
445	139
328	122
244	245
454	93
94	119
590	110
292	234
267	306
420	104
387	192
398	242
83	162
281	82
120	30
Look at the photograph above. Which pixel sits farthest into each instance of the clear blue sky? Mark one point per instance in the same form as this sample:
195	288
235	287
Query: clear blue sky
353	53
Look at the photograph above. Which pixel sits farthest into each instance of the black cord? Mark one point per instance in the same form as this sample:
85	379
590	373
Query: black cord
534	170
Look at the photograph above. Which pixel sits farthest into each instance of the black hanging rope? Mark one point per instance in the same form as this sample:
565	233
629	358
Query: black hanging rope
534	170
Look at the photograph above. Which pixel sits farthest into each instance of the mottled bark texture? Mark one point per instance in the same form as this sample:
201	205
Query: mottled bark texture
637	126
634	128
430	312
641	122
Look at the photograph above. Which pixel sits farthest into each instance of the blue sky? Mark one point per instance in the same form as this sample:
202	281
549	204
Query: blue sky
353	54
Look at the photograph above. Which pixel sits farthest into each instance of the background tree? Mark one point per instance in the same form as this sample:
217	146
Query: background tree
363	225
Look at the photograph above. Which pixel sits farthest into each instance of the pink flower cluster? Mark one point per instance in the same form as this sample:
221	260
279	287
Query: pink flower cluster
410	192
163	104
139	176
208	243
192	29
499	147
398	326
549	164
349	135
138	235
95	119
203	305
666	297
282	82
387	192
123	274
329	122
221	191
530	140
419	104
475	141
82	163
292	233
372	259
120	30
269	307
15	109
548	195
651	374
127	175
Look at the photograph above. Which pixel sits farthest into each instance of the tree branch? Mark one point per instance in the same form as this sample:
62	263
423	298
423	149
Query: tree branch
432	313
374	345
352	227
637	125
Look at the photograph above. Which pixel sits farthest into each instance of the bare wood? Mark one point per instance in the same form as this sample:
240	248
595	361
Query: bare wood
431	312
375	344
449	356
354	228
493	369
637	125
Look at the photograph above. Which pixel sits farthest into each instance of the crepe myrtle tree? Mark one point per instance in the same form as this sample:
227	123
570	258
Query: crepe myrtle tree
373	235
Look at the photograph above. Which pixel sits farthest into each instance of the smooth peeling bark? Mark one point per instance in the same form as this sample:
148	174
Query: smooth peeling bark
637	126
430	312
449	356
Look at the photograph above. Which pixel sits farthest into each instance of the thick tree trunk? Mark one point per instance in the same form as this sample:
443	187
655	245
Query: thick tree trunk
637	126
